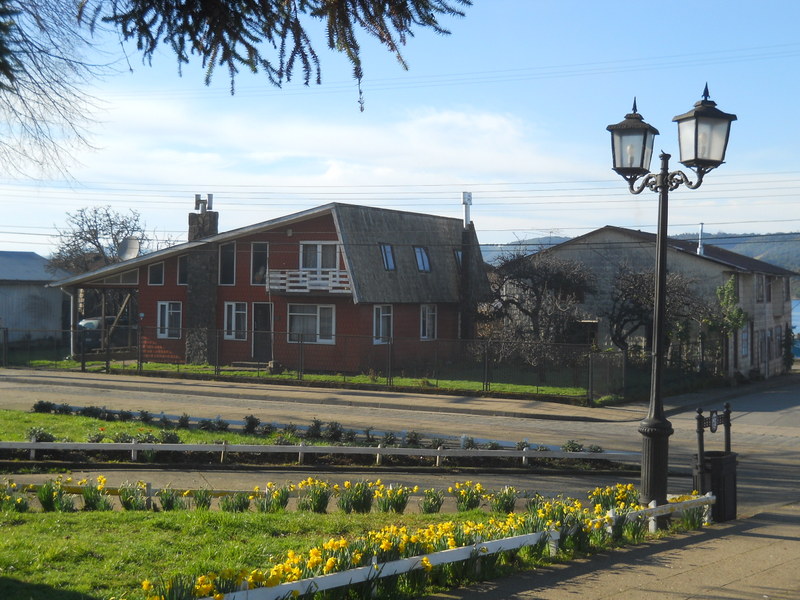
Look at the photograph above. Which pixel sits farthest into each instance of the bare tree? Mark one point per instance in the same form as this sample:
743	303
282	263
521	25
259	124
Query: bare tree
44	109
631	309
93	236
536	297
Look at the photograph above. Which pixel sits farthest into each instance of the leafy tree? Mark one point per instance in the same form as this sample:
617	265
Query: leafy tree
267	35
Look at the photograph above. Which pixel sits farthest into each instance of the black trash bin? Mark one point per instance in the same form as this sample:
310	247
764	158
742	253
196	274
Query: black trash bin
717	476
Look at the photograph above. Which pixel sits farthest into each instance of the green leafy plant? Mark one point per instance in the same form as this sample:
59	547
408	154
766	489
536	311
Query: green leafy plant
355	497
432	500
394	498
39	434
201	499
275	498
467	494
238	502
132	496
503	501
315	495
95	497
170	499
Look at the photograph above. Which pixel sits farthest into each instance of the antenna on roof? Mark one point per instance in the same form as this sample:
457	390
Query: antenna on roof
203	204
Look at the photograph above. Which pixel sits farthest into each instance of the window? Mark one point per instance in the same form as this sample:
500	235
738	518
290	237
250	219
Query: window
745	340
258	263
768	289
423	262
387	252
427	322
319	256
169	320
311	323
235	321
382	324
459	257
759	288
227	264
155	274
183	269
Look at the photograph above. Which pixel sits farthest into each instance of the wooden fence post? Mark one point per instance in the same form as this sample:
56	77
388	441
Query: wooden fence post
378	455
301	454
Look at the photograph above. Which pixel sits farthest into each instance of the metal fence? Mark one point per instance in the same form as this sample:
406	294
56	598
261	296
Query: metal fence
480	366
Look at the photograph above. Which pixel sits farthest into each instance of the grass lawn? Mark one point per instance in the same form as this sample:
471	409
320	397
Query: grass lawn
100	555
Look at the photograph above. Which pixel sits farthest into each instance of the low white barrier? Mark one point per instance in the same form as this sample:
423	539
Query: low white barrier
405	565
301	450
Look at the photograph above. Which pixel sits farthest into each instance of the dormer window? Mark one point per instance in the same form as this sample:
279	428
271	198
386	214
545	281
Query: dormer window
387	253
423	262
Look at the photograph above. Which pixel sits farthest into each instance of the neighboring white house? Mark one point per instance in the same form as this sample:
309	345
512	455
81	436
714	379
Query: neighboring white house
763	289
28	309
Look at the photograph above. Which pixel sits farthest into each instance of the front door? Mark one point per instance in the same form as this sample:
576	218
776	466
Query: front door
262	332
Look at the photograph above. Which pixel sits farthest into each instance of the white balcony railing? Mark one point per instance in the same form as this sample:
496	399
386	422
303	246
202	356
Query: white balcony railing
299	281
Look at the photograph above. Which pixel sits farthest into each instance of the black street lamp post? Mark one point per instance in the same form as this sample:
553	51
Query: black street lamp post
703	138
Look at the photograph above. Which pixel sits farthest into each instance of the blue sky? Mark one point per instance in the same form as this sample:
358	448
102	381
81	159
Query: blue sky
512	107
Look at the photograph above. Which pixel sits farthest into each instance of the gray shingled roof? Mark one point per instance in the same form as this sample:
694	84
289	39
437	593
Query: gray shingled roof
26	267
713	253
362	229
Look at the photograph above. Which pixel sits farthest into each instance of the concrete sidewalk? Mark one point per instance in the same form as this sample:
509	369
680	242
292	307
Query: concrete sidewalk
748	559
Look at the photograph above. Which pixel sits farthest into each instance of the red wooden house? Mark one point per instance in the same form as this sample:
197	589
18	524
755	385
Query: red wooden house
339	281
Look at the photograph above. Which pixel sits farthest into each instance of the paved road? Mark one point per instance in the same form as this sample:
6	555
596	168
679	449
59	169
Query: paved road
766	423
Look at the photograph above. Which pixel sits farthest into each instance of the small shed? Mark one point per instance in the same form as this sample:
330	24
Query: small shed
28	309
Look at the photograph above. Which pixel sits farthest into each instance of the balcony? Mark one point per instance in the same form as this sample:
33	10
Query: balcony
304	282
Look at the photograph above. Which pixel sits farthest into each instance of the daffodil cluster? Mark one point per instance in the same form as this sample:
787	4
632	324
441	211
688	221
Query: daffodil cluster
468	495
393	498
12	498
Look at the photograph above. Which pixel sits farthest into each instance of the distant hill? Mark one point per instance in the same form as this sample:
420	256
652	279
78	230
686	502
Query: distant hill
780	249
494	252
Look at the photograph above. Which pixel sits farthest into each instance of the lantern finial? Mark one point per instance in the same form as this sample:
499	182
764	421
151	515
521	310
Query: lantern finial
705	92
634	110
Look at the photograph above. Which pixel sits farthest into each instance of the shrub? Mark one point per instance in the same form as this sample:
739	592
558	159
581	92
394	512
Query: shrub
183	421
238	502
40	434
145	437
145	416
63	409
266	429
169	437
251	423
93	412
314	431
43	406
412	440
290	429
388	439
522	445
165	422
437	443
468	443
572	446
349	436
96	437
432	501
333	432
122	437
125	416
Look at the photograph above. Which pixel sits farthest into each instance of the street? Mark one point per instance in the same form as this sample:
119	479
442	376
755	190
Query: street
766	424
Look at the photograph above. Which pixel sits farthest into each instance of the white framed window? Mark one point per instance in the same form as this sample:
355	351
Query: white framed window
169	320
312	323
258	263
155	274
319	256
387	253
235	325
183	269
382	324
427	322
227	264
423	262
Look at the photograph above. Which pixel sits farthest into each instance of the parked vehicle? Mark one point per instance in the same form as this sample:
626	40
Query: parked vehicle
92	329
